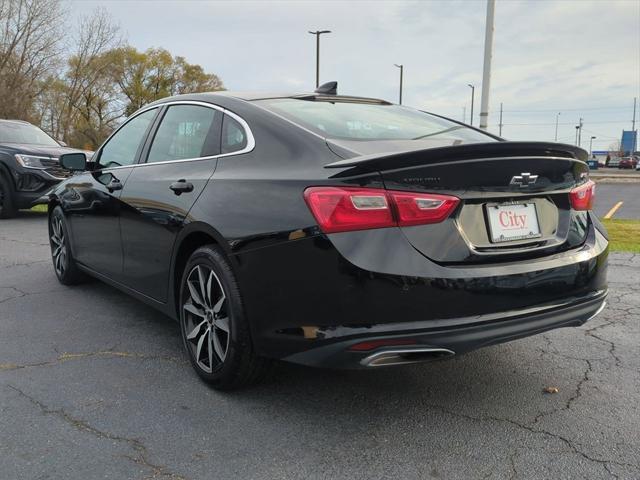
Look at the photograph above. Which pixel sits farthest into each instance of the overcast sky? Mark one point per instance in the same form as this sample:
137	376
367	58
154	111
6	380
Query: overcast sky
580	58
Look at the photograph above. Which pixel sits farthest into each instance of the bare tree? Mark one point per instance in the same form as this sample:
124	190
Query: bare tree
30	33
83	105
78	89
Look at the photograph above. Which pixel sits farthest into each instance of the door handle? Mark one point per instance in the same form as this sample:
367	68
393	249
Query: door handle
181	186
114	185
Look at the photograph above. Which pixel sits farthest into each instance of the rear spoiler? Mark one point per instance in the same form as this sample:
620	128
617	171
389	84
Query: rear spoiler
470	151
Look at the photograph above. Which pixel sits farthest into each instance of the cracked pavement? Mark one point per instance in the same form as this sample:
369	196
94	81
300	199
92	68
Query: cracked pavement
93	384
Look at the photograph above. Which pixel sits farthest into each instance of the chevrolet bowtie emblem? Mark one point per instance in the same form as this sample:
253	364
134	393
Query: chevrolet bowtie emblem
523	180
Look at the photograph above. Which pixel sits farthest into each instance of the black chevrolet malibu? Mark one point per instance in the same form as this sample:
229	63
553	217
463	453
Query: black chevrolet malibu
330	231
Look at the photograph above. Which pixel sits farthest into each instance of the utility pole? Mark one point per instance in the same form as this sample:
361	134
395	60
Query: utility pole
577	128
591	146
473	89
500	134
317	33
580	133
486	71
464	114
401	67
557	117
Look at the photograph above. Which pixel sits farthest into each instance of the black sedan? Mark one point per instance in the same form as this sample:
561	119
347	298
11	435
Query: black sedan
331	231
29	165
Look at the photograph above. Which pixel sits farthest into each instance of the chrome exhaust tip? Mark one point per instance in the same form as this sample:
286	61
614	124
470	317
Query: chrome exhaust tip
405	356
597	312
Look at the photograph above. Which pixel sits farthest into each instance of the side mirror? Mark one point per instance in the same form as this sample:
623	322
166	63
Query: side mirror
74	161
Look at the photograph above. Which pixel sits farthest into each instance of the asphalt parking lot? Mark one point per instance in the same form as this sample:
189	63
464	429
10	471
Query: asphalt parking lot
95	385
608	195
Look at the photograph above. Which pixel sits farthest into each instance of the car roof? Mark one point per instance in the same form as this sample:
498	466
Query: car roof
254	96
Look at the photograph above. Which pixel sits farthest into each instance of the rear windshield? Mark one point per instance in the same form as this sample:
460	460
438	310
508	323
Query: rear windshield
366	121
11	132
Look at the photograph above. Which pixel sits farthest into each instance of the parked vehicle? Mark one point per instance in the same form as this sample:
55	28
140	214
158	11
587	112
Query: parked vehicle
331	231
628	162
29	165
614	162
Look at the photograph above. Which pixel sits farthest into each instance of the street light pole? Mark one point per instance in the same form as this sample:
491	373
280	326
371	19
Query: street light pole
557	117
591	146
401	67
633	127
577	128
486	69
472	93
317	33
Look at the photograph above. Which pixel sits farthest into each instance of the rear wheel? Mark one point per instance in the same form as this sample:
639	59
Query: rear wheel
63	263
7	206
214	327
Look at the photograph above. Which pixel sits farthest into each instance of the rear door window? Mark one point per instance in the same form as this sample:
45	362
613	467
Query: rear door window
187	131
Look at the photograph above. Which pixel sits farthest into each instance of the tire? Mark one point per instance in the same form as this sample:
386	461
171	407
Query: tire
214	326
7	205
64	265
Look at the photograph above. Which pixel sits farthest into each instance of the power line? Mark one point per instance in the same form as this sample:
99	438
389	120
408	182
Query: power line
568	109
600	134
553	123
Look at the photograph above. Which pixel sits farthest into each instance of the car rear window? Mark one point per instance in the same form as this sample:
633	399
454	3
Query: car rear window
369	121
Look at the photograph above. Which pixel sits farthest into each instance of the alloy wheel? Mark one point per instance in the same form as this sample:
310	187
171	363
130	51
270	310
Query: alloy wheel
206	318
58	247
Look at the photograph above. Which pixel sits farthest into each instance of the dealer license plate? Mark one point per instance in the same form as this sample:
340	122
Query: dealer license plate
514	221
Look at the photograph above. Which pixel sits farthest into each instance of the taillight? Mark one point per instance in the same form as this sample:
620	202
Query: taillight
344	209
416	209
341	209
582	197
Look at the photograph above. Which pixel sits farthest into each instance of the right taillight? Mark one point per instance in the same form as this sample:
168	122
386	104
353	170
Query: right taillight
582	197
342	209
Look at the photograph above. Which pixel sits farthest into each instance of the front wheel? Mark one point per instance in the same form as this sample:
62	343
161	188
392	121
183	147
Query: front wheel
64	264
215	330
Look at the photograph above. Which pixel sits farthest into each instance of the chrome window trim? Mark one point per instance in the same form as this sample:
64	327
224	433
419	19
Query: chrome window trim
251	143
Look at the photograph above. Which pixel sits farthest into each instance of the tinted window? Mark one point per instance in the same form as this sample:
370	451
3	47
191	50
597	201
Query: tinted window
370	121
13	132
121	149
187	131
234	137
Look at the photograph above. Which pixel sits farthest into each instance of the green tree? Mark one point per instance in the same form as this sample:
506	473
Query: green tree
144	77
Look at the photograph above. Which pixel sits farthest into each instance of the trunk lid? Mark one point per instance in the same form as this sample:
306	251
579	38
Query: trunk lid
503	186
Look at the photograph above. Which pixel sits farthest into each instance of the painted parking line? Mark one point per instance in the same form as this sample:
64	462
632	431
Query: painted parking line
613	210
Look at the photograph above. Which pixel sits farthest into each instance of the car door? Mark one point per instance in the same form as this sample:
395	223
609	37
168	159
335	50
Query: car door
92	202
175	167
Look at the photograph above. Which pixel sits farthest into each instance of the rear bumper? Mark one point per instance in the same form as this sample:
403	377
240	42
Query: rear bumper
310	299
449	337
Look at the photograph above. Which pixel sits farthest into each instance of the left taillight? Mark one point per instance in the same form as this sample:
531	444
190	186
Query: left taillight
582	197
342	209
